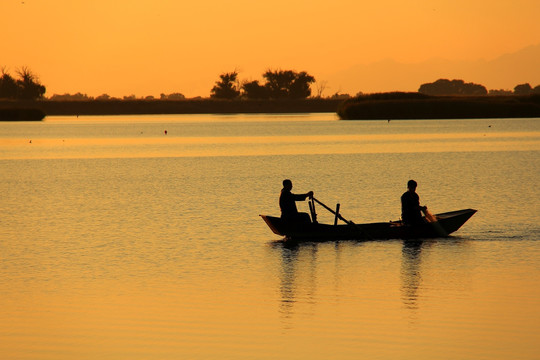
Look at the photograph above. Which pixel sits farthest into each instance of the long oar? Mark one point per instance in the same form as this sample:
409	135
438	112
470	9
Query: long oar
363	231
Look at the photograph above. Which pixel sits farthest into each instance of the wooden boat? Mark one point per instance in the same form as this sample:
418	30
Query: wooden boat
439	225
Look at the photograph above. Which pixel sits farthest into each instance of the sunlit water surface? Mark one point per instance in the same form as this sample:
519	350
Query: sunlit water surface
121	241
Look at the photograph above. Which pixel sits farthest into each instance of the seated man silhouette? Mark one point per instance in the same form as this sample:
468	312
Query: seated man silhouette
410	206
287	204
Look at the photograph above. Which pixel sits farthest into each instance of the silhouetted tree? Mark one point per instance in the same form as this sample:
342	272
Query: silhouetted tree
26	86
254	90
500	92
8	86
29	86
176	96
321	86
338	96
300	87
104	97
523	89
227	87
536	90
173	96
288	84
68	97
453	87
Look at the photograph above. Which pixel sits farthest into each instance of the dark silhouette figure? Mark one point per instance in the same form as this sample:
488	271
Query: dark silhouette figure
287	203
410	205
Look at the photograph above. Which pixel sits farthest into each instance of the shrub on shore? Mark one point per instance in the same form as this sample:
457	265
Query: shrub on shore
25	87
389	106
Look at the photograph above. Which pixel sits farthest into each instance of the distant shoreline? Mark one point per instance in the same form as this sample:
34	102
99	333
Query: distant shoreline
154	107
21	114
390	106
384	106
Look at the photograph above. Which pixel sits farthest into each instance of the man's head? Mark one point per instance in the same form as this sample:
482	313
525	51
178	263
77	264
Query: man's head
287	184
411	185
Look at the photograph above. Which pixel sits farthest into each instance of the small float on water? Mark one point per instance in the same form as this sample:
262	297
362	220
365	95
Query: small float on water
435	226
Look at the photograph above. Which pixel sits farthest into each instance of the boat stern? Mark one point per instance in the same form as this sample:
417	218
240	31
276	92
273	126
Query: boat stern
273	223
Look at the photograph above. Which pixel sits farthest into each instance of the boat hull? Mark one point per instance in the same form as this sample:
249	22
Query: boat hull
446	224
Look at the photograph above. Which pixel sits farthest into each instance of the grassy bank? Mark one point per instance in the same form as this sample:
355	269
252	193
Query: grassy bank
388	106
202	106
367	107
21	114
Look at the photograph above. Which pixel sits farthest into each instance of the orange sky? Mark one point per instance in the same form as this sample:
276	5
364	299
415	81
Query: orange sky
148	47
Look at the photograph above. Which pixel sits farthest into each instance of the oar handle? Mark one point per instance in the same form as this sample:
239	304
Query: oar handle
359	227
323	205
332	211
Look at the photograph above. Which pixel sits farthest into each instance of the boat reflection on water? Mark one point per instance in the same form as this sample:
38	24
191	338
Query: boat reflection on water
298	278
411	275
313	269
312	273
287	289
414	253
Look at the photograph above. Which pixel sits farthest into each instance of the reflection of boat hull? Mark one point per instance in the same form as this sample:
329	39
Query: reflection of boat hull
446	224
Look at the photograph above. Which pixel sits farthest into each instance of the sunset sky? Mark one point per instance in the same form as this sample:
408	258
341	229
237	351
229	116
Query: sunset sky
148	47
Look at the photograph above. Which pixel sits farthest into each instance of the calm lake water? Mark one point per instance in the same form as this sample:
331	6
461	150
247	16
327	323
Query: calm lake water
118	241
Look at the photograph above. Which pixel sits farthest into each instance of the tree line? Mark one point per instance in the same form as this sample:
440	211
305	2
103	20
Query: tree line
444	87
25	87
279	84
84	97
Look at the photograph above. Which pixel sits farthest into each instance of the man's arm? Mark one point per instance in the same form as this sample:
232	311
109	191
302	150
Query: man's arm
301	197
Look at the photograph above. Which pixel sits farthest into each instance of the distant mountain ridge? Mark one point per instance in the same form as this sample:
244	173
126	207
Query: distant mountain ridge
503	72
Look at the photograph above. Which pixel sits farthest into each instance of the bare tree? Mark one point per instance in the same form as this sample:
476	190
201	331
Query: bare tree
29	85
321	87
